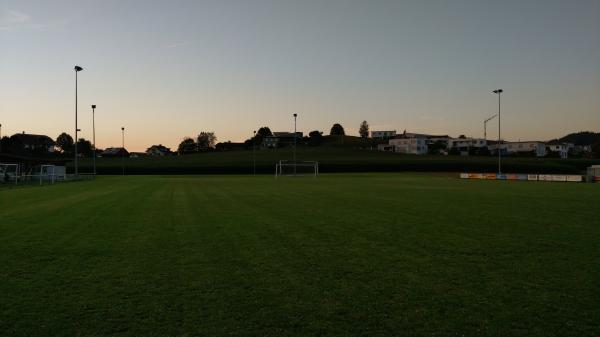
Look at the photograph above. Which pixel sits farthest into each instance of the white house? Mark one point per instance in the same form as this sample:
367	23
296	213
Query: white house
409	145
535	147
383	134
561	148
463	145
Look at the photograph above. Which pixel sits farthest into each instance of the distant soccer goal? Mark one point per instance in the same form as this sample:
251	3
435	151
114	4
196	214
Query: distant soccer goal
9	173
300	168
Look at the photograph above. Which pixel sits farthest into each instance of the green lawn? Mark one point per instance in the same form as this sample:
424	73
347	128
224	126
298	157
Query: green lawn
362	254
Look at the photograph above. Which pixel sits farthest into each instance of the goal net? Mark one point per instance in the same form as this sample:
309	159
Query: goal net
301	168
9	173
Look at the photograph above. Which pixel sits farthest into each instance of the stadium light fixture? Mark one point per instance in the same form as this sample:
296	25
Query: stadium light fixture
499	92
77	69
94	136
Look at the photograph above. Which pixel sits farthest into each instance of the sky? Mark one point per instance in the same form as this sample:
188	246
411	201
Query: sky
169	69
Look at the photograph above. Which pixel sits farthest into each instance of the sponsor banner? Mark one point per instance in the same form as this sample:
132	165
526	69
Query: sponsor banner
464	176
501	176
574	178
544	177
512	176
532	177
559	178
522	177
475	176
597	178
490	176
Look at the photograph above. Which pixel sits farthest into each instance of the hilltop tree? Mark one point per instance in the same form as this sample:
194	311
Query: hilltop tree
84	147
206	141
364	129
337	130
65	143
187	146
315	137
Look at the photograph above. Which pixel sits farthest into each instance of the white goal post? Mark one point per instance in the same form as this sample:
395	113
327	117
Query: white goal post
300	168
9	173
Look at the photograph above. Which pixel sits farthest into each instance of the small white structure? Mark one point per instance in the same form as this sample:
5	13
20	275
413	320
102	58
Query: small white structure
538	148
383	134
409	145
561	148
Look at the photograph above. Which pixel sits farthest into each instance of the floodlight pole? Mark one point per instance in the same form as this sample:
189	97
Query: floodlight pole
254	154
123	150
295	116
499	92
77	69
0	138
94	136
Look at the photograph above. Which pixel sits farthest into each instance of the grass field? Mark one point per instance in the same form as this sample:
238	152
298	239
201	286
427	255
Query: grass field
351	254
332	159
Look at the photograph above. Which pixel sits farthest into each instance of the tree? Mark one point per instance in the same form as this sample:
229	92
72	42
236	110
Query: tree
363	130
337	130
187	146
315	137
206	141
84	147
462	137
65	143
437	147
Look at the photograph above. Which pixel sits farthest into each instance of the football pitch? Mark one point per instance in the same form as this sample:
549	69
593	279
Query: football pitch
342	254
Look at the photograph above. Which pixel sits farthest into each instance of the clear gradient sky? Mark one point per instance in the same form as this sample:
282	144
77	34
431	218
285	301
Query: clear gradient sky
169	69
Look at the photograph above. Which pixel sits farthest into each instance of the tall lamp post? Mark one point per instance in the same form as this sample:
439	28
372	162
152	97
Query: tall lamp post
94	136
0	137
499	92
123	149
254	154
295	116
485	126
77	69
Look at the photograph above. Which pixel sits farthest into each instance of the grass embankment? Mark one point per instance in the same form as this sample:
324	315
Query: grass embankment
331	159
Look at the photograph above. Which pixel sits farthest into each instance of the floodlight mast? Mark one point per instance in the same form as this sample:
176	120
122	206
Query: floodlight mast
254	154
77	69
94	136
295	116
123	149
499	92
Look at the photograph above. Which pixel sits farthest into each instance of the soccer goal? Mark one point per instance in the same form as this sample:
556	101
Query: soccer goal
301	168
9	173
